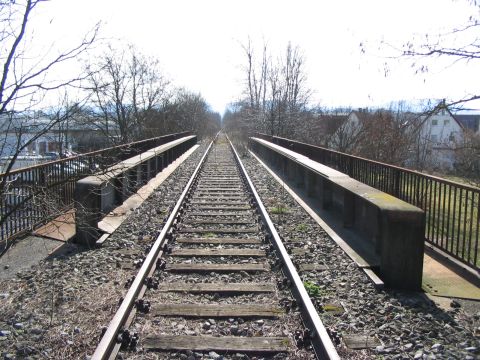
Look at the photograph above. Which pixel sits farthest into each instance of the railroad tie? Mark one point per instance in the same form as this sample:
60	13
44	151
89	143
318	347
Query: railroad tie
203	267
219	241
218	231
220	288
217	311
221	344
218	252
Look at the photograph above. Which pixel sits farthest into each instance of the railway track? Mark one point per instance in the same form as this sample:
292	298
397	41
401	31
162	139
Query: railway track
217	282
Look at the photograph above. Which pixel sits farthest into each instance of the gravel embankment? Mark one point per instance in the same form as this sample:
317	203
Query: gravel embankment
56	310
409	326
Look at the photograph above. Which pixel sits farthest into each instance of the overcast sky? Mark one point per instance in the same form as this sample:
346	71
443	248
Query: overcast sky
198	42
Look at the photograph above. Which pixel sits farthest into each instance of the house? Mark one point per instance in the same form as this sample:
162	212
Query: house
404	138
380	135
324	125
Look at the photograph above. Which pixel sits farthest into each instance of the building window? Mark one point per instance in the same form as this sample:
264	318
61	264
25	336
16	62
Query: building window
451	137
434	138
434	122
446	121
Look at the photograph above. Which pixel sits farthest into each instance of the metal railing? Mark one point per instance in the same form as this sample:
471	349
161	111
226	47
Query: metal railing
34	195
452	210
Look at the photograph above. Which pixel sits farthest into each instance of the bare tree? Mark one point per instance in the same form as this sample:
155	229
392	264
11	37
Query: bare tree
459	44
126	87
276	91
185	111
257	74
348	136
27	78
386	135
467	158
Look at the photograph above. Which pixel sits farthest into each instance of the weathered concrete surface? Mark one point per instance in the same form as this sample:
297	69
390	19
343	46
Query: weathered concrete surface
62	228
394	227
96	195
113	220
439	280
24	254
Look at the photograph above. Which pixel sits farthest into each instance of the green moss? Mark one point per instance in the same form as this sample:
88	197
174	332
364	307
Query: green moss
312	289
279	209
301	227
332	308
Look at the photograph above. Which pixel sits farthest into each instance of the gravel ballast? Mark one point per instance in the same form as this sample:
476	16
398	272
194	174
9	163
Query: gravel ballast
401	325
56	310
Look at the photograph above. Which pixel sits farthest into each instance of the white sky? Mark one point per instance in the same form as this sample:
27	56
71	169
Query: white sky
198	42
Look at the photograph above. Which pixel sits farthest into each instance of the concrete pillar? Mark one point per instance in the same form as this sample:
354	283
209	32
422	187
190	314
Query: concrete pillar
145	172
88	204
159	163
285	167
311	183
326	194
402	246
125	192
348	209
132	180
152	168
300	175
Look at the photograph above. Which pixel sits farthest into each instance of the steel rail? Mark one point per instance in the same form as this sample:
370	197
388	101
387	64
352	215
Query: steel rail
321	342
109	339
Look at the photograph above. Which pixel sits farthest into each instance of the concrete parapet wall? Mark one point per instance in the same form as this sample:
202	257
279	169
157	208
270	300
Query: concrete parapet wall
97	194
392	227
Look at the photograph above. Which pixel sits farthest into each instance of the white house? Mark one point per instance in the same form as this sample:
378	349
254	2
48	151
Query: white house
436	135
439	135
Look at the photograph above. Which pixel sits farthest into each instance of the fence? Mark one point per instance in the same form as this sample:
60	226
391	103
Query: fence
452	210
33	195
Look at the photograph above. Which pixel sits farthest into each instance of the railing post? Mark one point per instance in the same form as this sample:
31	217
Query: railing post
350	166
396	183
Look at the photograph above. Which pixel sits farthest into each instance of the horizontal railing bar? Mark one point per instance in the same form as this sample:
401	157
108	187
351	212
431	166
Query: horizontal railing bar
93	153
433	177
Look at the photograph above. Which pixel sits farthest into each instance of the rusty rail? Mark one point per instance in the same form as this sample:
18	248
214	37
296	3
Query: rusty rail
452	209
